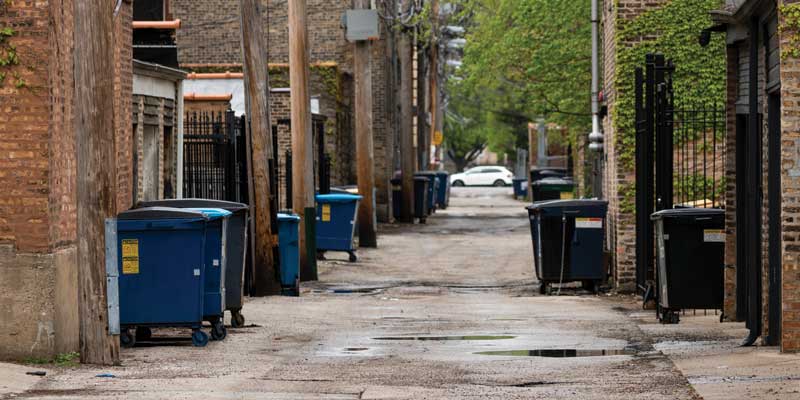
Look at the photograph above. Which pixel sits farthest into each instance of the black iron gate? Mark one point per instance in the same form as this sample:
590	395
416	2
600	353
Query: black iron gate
214	157
679	157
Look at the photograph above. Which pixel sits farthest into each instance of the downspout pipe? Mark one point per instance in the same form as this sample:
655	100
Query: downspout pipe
596	136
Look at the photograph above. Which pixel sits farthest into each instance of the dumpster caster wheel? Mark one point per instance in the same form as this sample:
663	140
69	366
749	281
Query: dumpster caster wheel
353	257
218	331
126	340
670	317
542	288
423	221
237	319
590	286
143	334
199	338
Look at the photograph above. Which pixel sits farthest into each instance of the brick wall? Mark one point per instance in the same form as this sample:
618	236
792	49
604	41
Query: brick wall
621	225
205	106
38	275
790	180
729	299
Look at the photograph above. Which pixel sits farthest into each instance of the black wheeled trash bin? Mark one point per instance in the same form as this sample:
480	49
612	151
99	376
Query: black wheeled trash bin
235	250
568	242
397	197
421	192
690	248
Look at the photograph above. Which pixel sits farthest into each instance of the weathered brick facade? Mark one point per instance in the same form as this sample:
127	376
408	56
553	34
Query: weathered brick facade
38	212
209	41
790	181
621	227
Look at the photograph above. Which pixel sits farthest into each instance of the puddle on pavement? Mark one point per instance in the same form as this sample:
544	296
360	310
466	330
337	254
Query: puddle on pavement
444	338
558	353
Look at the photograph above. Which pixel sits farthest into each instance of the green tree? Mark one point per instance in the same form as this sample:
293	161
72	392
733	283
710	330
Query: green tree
525	59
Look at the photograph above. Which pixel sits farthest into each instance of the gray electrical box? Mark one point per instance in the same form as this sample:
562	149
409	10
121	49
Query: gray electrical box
361	25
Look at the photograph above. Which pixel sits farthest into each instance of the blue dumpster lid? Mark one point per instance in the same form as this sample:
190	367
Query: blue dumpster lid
688	212
213	213
194	203
541	205
288	217
160	213
338	198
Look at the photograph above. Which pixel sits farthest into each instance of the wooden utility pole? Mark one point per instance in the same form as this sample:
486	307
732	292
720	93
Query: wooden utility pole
96	172
406	98
362	71
302	139
433	71
262	205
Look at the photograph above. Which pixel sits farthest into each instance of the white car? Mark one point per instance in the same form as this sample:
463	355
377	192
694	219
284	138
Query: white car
483	176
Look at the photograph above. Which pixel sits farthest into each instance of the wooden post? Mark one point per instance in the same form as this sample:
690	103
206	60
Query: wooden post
406	98
433	71
262	206
302	139
96	172
362	71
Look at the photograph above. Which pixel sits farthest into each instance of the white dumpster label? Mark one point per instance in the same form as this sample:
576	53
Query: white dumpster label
588	223
714	236
216	263
197	272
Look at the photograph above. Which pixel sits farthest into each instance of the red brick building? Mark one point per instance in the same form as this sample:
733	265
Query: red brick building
38	270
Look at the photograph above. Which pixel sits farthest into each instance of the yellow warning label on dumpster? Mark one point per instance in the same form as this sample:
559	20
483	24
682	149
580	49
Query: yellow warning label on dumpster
567	196
130	256
326	213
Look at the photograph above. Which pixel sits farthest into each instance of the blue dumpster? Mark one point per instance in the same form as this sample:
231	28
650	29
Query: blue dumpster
520	188
443	197
568	241
235	247
288	244
161	257
214	299
336	222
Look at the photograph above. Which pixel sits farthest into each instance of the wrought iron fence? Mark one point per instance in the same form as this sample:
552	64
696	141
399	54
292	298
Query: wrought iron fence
214	166
699	157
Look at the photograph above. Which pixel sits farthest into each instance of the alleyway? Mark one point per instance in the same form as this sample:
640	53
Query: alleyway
467	273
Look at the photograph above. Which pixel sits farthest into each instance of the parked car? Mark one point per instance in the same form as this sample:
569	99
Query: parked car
483	176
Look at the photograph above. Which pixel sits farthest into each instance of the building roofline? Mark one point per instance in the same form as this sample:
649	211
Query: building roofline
158	71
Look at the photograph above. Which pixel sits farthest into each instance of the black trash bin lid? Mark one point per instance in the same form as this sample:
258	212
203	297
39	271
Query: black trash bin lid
554	182
195	203
688	213
421	179
543	205
138	214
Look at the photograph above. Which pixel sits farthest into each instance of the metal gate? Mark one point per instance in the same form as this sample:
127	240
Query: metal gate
679	157
214	157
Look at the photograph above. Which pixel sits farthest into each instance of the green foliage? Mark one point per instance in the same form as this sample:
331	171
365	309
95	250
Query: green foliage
696	187
525	60
9	57
790	30
60	360
672	30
